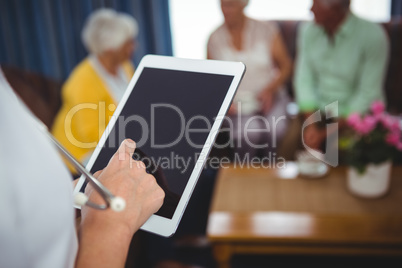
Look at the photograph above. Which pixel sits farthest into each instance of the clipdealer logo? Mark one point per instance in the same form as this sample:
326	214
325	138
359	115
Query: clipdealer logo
330	156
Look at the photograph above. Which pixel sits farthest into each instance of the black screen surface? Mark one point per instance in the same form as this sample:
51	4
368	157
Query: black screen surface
163	115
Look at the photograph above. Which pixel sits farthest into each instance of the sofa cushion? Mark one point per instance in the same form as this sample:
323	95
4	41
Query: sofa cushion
40	94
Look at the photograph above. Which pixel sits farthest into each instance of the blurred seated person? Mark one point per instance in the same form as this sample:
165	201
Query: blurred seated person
257	115
96	85
340	58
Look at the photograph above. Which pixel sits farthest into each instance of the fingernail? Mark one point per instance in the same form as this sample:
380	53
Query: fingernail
129	142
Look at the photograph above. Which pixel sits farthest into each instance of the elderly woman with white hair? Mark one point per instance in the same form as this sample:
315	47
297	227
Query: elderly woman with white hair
97	84
259	108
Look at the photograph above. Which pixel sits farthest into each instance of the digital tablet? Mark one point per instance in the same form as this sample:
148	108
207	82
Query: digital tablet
173	109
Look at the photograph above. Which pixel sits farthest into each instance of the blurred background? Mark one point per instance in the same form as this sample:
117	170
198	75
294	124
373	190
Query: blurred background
44	36
190	38
40	44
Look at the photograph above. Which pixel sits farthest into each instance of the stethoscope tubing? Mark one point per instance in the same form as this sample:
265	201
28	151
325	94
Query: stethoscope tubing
116	203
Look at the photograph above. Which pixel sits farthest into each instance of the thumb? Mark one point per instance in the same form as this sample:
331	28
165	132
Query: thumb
126	149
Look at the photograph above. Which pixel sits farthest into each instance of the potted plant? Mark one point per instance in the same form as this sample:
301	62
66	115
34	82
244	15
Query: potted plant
371	144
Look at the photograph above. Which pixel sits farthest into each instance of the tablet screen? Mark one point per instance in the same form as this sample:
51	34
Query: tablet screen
169	114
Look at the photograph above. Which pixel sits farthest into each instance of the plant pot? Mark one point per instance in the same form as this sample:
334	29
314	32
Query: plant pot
373	183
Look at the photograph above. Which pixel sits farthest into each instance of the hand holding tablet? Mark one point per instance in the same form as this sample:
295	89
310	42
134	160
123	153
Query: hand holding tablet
127	179
173	109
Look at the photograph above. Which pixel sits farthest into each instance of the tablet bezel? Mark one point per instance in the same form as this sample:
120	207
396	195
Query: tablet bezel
158	224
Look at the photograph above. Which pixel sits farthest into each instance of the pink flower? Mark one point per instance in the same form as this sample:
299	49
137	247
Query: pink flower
399	146
362	126
390	123
369	123
354	120
395	125
393	138
362	129
378	117
377	107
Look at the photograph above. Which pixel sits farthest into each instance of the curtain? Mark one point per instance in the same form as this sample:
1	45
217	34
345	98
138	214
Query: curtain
44	36
396	8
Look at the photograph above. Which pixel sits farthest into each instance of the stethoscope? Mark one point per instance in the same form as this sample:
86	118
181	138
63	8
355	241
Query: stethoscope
116	203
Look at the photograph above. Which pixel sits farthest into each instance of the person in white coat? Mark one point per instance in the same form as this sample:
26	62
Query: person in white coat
37	223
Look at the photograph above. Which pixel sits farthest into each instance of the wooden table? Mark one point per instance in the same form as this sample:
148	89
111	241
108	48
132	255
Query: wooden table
273	211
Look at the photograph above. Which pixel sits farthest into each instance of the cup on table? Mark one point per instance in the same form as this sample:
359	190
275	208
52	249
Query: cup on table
310	166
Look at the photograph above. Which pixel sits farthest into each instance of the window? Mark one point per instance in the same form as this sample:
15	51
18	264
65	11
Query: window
193	20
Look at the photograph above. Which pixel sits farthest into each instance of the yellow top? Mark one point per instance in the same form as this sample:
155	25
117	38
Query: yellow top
86	110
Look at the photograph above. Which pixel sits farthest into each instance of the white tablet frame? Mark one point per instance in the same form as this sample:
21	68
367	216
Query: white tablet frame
158	224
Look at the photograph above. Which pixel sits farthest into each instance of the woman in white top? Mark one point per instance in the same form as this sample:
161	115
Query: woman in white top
258	113
37	223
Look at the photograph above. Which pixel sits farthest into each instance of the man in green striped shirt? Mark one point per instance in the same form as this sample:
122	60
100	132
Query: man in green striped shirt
340	58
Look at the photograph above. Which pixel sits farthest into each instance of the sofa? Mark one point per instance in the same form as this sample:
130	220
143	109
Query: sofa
40	93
